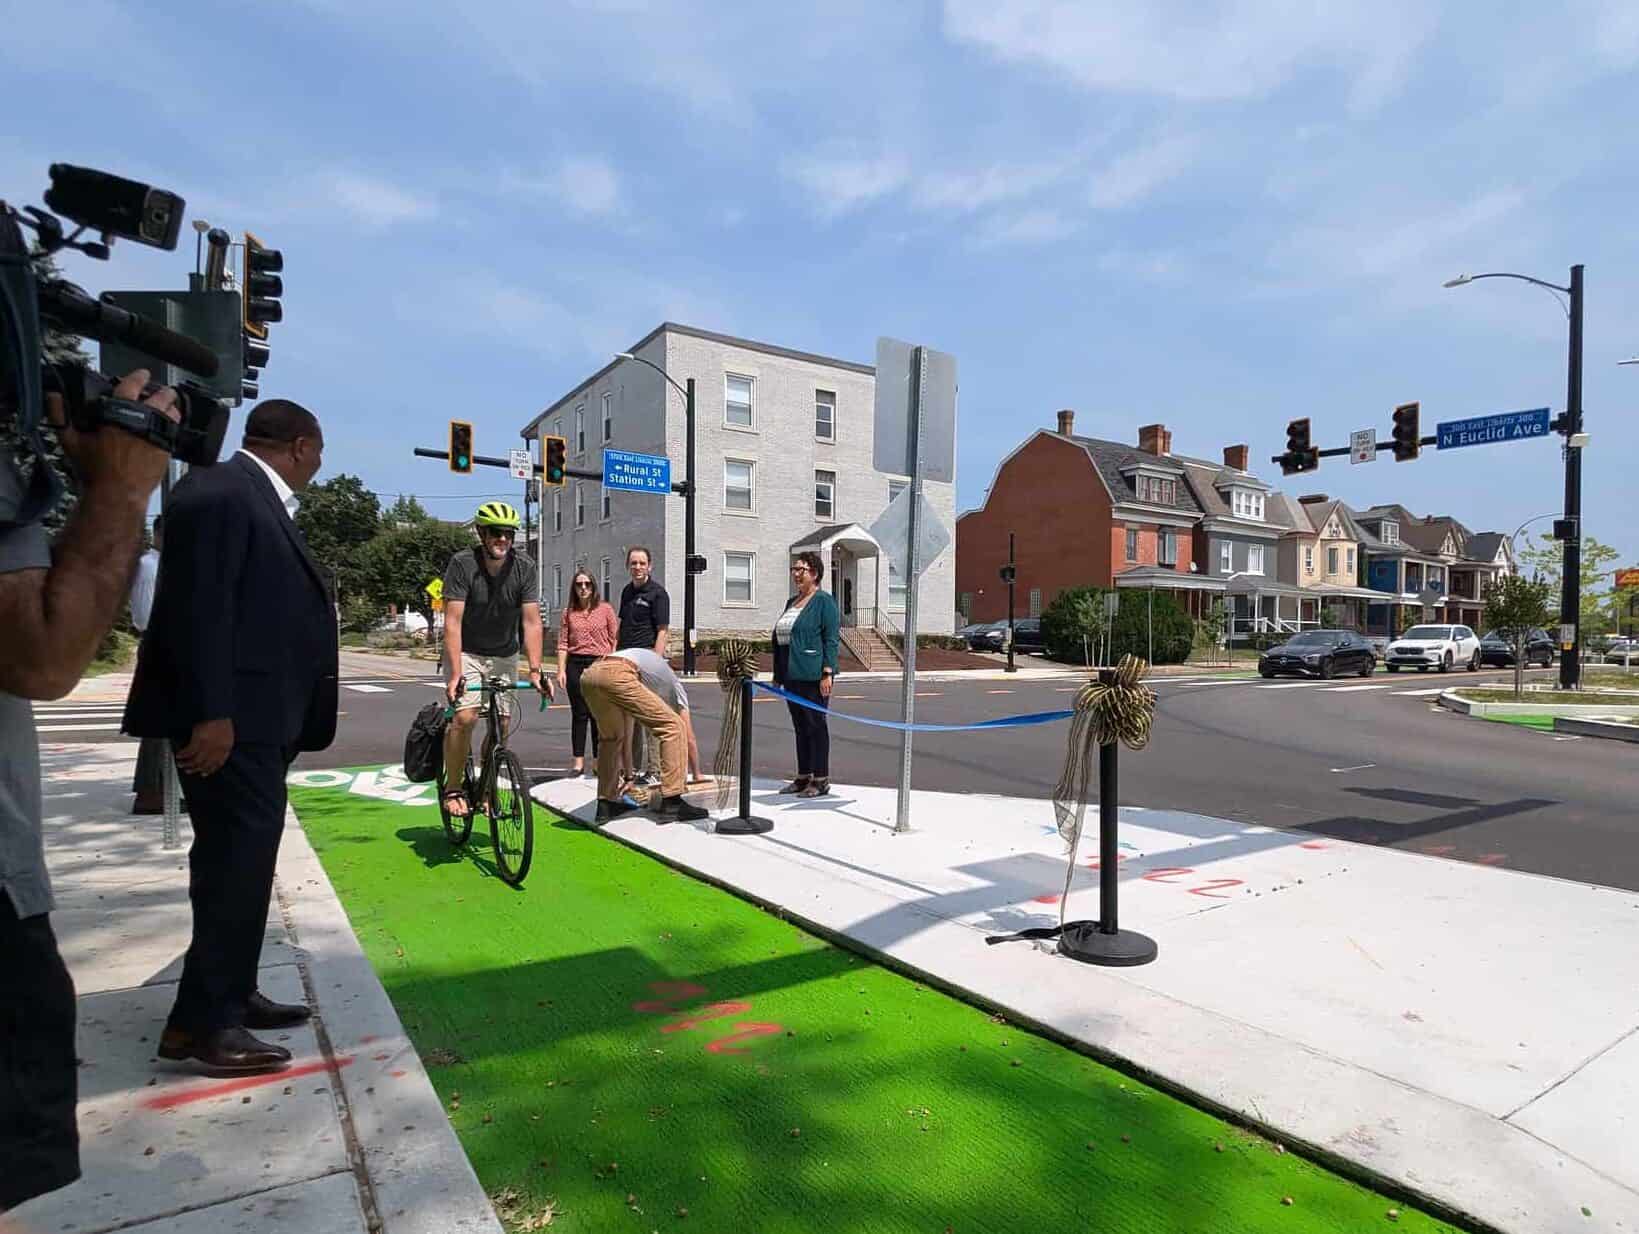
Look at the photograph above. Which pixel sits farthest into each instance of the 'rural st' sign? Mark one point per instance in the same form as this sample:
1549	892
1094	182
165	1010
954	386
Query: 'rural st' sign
1484	430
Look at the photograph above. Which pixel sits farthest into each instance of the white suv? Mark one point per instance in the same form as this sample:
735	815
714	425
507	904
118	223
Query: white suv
1441	647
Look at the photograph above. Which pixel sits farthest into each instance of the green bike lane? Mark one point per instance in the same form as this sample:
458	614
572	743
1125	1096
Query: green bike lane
619	1046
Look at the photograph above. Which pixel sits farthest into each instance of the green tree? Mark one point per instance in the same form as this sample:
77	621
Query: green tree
397	565
338	518
1514	607
1072	626
403	512
1545	560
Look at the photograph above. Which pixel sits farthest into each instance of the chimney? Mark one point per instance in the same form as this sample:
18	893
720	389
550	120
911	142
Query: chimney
1067	422
1312	499
1154	439
1237	457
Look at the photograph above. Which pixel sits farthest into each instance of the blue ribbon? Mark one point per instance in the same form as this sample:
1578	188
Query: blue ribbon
1034	717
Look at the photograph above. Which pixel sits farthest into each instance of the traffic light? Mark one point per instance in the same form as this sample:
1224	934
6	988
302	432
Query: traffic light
261	286
1300	455
555	451
1408	433
255	356
461	446
1007	574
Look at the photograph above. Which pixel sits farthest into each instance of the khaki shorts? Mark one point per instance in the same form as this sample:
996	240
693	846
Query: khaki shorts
476	670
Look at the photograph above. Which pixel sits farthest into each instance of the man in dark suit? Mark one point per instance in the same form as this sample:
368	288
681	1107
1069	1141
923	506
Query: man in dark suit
238	670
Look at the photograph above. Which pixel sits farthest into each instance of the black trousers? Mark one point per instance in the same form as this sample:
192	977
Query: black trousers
39	1083
813	730
580	715
238	817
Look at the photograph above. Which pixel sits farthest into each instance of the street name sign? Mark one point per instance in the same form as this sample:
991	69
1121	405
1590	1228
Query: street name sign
1363	446
1483	430
518	464
637	473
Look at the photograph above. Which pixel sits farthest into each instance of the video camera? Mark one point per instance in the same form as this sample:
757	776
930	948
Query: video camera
110	206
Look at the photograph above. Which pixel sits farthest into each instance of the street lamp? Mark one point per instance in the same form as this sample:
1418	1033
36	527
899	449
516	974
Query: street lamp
688	505
1570	424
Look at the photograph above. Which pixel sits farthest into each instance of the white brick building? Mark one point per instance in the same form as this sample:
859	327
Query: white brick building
783	451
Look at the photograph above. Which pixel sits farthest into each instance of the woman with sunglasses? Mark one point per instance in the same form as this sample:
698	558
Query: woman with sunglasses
586	633
805	661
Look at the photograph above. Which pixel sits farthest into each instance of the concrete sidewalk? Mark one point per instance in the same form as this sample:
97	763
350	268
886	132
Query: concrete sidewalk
350	1138
1467	1034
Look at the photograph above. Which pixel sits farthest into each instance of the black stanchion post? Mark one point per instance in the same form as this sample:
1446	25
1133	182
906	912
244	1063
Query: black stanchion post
746	823
1104	941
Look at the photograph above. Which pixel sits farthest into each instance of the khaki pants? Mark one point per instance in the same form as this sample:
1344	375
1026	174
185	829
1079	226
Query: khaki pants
614	691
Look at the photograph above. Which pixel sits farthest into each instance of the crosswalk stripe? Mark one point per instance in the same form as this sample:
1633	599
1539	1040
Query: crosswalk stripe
362	689
1352	689
1288	685
1418	693
78	715
77	728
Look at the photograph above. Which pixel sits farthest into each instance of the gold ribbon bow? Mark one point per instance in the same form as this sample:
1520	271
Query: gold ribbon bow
1105	713
736	661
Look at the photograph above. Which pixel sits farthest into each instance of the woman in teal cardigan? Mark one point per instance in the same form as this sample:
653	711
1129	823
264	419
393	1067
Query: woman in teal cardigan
805	663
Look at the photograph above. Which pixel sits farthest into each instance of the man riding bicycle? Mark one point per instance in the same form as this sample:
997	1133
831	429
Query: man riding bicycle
492	609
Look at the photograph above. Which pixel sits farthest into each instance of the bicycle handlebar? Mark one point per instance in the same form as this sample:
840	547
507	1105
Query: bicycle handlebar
494	685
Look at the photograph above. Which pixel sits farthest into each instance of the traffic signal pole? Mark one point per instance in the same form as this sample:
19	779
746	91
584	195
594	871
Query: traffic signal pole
688	530
1570	596
1012	574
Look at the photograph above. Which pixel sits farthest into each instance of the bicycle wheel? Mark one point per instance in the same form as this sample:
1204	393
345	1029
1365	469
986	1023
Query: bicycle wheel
457	828
511	818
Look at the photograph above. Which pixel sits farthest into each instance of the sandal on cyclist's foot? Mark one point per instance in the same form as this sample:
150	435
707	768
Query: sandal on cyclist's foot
452	795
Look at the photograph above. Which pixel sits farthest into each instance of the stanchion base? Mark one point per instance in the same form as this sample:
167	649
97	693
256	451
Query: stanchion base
737	826
1084	941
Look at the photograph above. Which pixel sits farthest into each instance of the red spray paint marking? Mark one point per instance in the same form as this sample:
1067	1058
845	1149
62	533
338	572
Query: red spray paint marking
398	1075
1206	889
717	1011
1047	899
1311	844
1440	850
748	1029
170	1101
1119	858
1491	859
381	1058
1167	874
673	994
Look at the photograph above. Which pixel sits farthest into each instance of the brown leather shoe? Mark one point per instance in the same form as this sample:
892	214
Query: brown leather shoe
231	1051
262	1012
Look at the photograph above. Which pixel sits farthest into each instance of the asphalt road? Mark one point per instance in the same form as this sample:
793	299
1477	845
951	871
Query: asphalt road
1370	761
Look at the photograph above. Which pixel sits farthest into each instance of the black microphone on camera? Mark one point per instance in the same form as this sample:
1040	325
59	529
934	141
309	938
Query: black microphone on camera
78	313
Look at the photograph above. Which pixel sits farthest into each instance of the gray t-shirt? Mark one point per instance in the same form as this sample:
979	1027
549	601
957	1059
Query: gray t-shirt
22	851
656	675
490	629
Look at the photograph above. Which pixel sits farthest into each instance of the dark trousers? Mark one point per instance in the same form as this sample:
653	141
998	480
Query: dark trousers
39	1142
580	715
238	817
813	730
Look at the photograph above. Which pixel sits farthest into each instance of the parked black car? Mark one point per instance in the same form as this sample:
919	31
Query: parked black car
1026	636
1499	651
1319	653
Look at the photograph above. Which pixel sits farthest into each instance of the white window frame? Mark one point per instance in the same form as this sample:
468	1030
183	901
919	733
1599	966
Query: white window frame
1332	558
580	505
608	416
751	382
751	579
1391	532
1350	560
606	506
1165	537
751	487
580	430
896	589
896	487
1308	558
1254	559
1226	556
604	580
818	403
1035	601
830	515
557	511
557	589
1131	545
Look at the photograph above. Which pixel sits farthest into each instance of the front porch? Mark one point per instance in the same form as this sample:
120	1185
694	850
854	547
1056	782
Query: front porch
1194	593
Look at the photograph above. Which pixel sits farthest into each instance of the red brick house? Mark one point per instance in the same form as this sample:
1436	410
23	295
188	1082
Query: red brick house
1084	512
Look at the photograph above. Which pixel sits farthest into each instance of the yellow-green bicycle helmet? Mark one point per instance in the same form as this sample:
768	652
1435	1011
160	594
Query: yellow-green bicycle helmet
497	514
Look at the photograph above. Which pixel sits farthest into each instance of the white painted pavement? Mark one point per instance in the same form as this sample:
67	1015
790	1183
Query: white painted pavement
1466	1032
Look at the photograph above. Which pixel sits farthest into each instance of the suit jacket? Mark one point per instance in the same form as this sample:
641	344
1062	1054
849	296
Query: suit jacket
243	626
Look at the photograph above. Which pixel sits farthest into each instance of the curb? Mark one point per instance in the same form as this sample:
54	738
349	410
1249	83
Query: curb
421	1180
1597	728
1451	701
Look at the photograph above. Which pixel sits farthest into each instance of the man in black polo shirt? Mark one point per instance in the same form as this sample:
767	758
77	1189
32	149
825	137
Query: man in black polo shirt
645	620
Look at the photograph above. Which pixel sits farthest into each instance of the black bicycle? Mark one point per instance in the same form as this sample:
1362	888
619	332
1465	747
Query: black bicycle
496	786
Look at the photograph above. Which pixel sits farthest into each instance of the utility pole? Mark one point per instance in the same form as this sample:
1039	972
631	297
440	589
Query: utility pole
1570	602
1012	571
688	529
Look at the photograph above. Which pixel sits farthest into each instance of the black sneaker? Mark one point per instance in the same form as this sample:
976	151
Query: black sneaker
609	810
676	810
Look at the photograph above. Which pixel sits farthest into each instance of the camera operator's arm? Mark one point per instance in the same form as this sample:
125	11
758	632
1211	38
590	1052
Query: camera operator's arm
55	617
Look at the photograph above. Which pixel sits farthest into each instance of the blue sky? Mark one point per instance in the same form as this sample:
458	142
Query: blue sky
1214	215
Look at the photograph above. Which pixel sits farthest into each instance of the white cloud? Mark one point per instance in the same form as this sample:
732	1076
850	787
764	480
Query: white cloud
1235	49
1133	176
844	182
1038	226
987	186
584	186
373	201
1149	267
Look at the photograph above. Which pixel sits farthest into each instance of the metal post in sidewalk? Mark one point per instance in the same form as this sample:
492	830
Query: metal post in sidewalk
1103	941
913	565
1570	601
688	530
745	823
1012	575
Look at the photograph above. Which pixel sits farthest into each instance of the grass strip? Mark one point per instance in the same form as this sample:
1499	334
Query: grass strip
621	1047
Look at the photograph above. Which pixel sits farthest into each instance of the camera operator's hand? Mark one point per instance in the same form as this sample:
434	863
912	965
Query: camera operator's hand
112	459
208	748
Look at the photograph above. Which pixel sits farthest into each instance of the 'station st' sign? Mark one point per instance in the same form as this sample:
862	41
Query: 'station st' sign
637	473
1484	430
